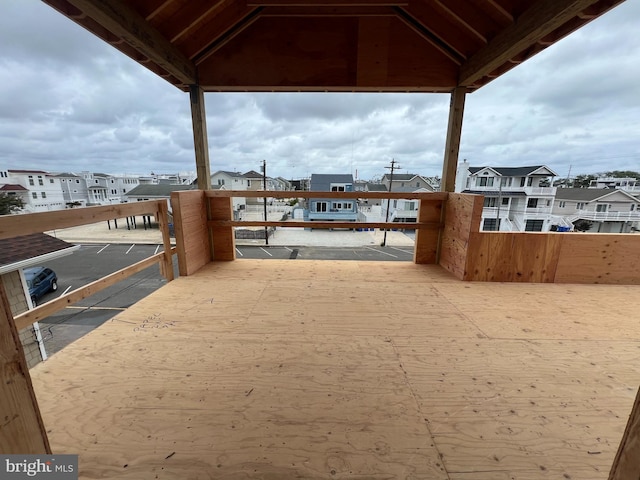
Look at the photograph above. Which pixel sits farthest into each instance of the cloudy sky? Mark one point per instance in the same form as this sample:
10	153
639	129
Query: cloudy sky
69	102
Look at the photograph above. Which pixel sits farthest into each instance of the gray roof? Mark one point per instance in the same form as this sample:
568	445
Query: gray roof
376	187
586	194
231	174
511	171
321	182
66	175
252	174
162	190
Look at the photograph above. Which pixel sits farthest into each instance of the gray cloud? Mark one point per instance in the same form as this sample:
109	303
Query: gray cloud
68	101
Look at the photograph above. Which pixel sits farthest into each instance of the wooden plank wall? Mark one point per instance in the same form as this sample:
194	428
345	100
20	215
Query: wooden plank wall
223	237
599	258
626	465
513	257
462	215
426	245
21	429
554	258
192	234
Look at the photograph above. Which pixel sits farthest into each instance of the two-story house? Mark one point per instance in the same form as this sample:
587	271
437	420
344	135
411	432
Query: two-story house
515	198
44	190
628	184
608	210
327	209
232	181
406	209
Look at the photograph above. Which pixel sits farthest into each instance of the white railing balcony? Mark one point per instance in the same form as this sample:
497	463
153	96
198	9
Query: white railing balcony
529	191
609	216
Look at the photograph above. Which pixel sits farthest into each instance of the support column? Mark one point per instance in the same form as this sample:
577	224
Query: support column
200	143
626	465
452	146
22	429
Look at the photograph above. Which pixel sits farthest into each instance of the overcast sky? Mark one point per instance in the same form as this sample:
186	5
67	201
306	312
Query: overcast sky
69	102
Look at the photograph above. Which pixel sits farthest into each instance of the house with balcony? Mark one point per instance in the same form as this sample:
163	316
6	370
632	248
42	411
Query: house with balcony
332	209
608	210
232	181
516	199
628	184
492	355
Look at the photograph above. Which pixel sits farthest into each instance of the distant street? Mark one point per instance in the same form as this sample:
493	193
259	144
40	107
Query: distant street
94	261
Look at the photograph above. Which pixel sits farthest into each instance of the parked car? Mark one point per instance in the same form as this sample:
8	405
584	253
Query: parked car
40	280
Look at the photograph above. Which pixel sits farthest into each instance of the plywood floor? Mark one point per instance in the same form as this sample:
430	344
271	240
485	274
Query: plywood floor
326	370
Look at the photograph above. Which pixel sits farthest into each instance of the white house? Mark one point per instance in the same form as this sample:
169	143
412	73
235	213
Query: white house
403	210
628	184
515	198
609	210
44	190
232	181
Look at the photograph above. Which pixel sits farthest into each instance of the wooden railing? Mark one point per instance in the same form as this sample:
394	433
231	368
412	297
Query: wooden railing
18	225
204	222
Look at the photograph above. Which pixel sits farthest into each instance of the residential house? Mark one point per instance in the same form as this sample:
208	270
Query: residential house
15	190
44	190
327	209
403	210
628	184
74	189
255	182
515	198
155	192
232	181
609	211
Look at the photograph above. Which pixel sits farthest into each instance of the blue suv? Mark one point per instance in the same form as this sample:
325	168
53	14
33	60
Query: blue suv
40	280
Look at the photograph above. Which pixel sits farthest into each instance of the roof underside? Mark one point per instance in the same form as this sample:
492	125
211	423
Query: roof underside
331	45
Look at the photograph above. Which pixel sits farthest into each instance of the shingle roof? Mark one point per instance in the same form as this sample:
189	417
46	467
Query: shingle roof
12	187
18	249
321	182
26	171
376	187
252	174
231	174
66	174
159	190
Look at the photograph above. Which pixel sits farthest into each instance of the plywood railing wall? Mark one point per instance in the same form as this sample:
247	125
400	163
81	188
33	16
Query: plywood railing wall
190	226
552	257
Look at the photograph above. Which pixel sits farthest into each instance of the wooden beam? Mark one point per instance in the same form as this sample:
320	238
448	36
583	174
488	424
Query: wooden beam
626	465
22	430
124	22
429	196
16	225
162	216
326	3
452	146
383	11
200	142
223	240
542	18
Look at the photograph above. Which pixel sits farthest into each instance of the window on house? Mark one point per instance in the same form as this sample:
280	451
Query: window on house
112	181
77	180
34	194
395	204
411	206
96	181
75	191
580	206
602	207
31	180
533	225
548	203
43	194
633	207
562	204
522	181
124	191
532	203
321	206
337	188
490	224
505	182
490	202
485	181
417	184
40	181
221	181
51	180
529	181
505	201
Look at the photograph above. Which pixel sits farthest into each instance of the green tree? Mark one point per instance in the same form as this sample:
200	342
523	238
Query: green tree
583	181
9	203
582	225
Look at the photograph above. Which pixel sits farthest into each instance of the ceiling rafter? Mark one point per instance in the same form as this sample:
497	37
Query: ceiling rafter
122	21
533	25
188	17
466	15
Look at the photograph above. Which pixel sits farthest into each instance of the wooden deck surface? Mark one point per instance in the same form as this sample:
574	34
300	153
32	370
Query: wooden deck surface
370	370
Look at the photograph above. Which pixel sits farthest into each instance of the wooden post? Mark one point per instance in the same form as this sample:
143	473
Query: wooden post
452	147
426	244
162	216
192	232
223	238
200	142
22	430
626	465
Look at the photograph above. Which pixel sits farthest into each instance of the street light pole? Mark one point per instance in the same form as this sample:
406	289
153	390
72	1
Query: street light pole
264	200
392	168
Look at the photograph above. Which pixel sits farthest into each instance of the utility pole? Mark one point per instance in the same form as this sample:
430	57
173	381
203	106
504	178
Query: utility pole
264	200
392	168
